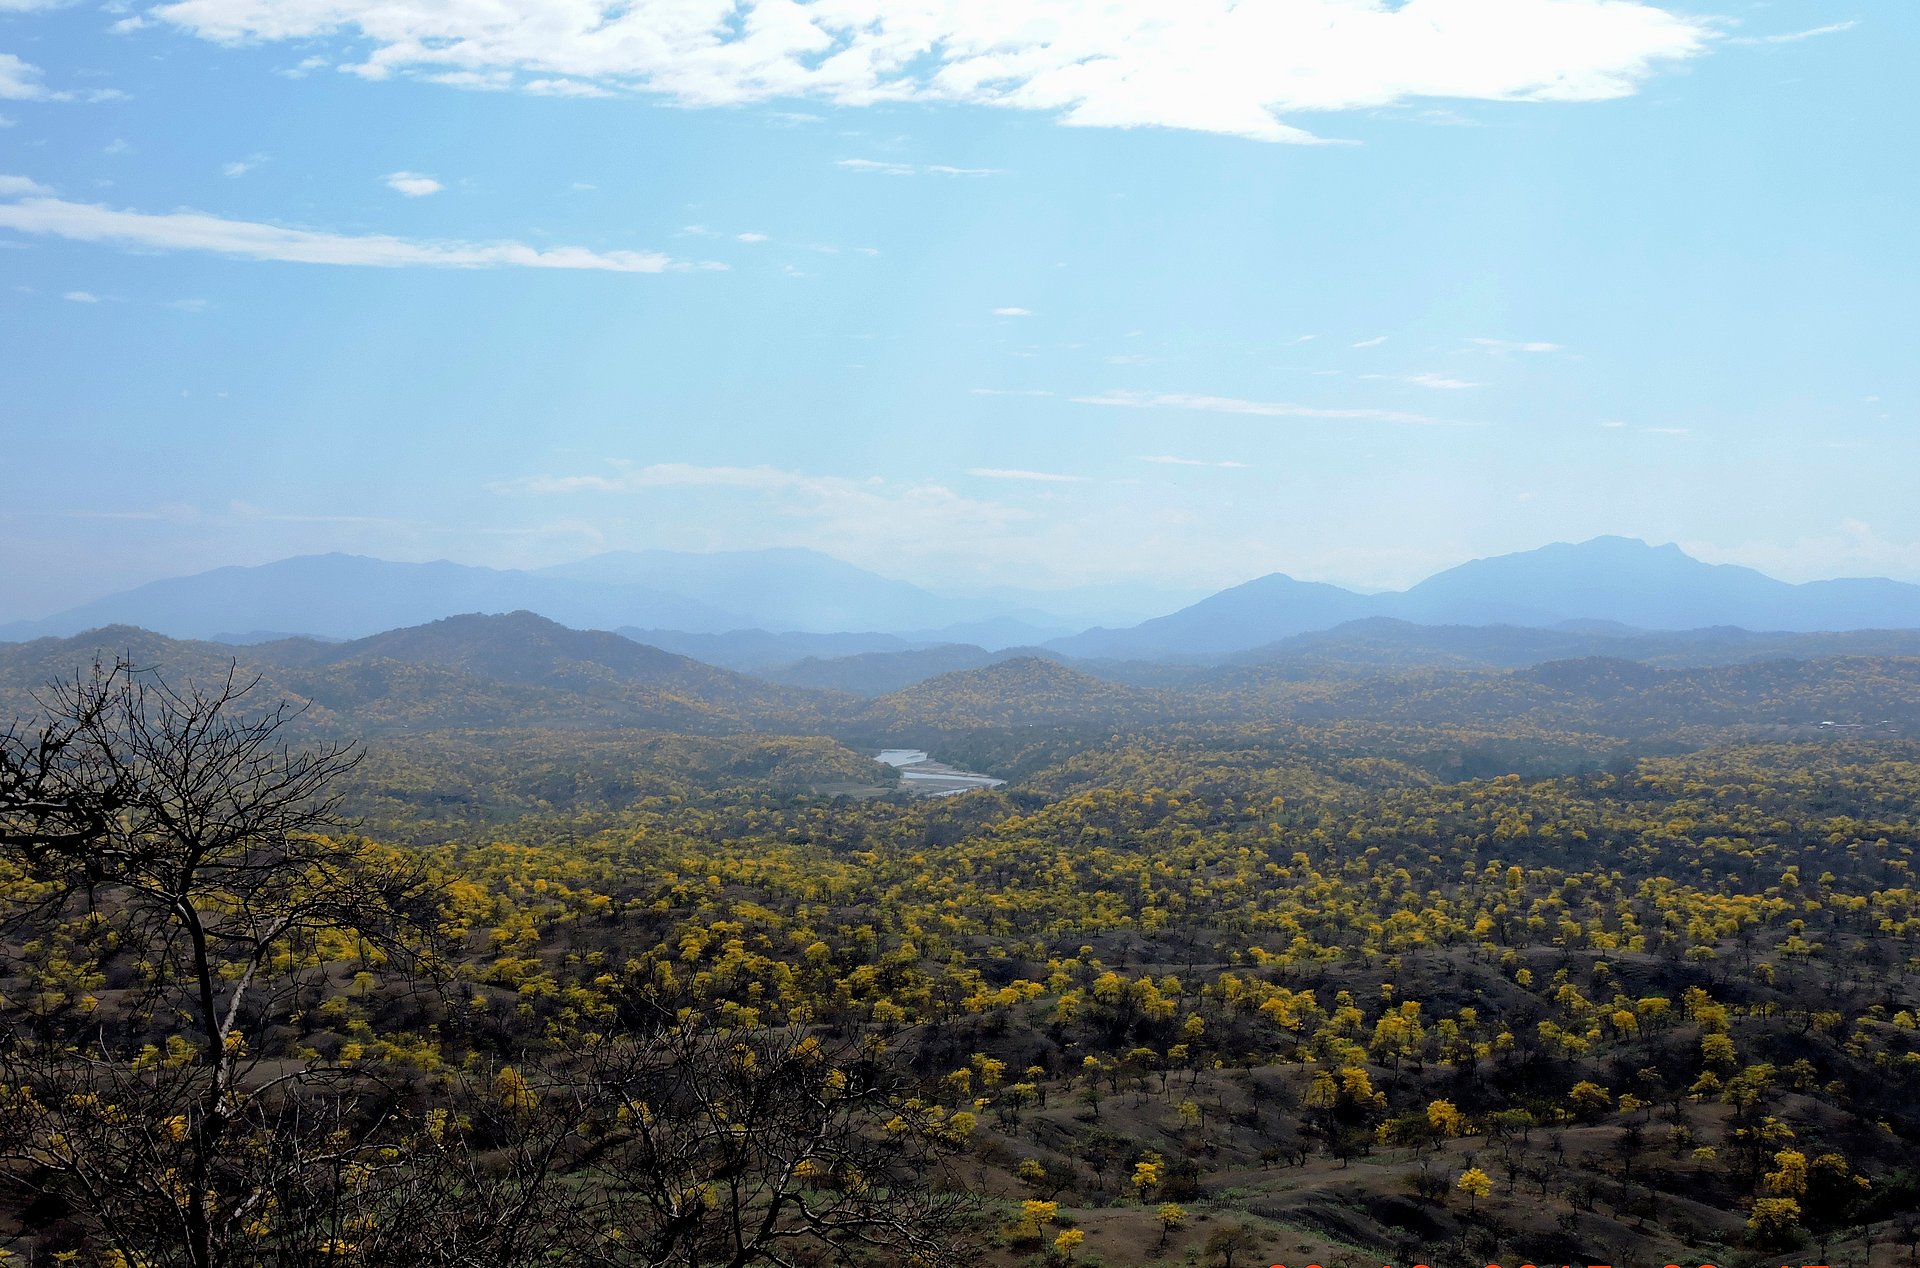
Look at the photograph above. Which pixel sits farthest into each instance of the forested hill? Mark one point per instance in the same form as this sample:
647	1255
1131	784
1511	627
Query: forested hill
499	673
465	672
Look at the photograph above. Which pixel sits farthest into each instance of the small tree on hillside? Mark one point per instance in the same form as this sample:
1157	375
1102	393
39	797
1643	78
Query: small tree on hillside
168	896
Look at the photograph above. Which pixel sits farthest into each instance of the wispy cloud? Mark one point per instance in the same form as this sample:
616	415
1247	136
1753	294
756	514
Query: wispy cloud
1013	312
245	239
82	297
240	167
20	186
1168	460
750	237
914	169
1503	346
1205	65
1437	381
875	165
1374	342
565	88
919	515
1794	37
1015	473
412	184
1258	409
23	81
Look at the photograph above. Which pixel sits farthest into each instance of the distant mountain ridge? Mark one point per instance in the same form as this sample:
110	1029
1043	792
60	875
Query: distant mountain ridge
1614	581
762	610
351	596
343	596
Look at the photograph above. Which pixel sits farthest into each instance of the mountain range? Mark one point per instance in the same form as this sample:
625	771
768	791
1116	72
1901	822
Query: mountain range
1619	582
760	610
513	675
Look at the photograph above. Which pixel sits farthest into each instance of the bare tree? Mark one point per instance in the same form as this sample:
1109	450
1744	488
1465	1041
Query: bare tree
685	1146
732	1148
164	847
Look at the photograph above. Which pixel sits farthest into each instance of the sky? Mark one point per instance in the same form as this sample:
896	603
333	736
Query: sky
1035	293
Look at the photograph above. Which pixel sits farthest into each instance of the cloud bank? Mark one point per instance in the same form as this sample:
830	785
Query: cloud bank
1206	65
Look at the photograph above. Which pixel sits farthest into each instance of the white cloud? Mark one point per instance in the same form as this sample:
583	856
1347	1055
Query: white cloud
412	184
793	506
22	81
565	88
1256	409
1206	65
1794	37
750	237
82	297
240	167
20	187
1168	460
875	165
198	231
1438	381
1513	345
1374	342
306	66
915	169
1013	312
1015	473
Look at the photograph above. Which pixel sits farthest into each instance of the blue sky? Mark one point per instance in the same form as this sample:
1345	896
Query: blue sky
1158	292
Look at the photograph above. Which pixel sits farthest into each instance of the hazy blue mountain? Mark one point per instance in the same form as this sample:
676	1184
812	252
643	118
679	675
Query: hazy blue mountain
1592	589
350	596
1651	587
791	589
1113	603
752	650
1607	587
996	634
1256	612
